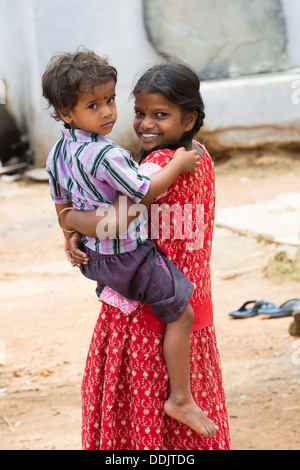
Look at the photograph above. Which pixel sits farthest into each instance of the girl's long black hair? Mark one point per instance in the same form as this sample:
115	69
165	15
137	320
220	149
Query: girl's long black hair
180	84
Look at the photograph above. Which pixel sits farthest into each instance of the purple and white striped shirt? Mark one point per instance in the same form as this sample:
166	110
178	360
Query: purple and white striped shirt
89	170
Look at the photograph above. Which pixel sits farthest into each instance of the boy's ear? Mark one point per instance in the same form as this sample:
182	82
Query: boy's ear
65	115
190	120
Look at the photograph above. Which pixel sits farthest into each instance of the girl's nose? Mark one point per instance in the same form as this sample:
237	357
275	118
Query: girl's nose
147	123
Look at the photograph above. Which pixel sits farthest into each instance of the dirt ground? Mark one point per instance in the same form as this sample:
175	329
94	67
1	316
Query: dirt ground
48	311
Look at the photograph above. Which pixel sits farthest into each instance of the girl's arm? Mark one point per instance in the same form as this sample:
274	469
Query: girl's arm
59	208
67	235
87	222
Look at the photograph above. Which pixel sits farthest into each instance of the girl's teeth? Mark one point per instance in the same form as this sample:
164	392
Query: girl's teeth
149	136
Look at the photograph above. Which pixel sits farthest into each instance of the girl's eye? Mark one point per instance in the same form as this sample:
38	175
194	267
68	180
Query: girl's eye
161	115
138	114
110	101
93	106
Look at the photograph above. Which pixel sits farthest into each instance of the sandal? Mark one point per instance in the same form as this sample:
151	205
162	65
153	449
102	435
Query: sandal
285	310
259	306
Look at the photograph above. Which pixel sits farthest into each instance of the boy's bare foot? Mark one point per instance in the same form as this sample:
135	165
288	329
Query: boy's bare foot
190	414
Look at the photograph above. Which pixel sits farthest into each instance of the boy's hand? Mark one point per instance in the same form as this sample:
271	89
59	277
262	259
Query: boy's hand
74	254
188	159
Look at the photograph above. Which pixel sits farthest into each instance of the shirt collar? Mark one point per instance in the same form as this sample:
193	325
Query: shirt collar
78	135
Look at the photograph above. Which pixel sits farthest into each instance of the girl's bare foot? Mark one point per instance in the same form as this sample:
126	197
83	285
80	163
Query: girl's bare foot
190	414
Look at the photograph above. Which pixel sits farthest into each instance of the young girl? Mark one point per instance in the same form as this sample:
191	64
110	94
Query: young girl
84	166
164	96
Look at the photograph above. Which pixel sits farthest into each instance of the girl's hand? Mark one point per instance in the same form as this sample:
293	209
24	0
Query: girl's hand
68	252
74	254
189	160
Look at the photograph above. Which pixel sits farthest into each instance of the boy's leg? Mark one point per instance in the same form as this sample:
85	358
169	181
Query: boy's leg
181	405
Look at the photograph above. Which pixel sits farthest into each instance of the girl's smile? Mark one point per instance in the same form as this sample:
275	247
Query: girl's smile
158	121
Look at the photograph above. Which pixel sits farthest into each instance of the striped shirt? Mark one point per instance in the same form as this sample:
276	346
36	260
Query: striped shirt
89	170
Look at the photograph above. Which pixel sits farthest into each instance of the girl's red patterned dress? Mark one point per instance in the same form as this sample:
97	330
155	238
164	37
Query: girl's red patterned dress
125	382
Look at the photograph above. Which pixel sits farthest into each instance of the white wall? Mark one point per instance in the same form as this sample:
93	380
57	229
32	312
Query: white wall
291	9
31	31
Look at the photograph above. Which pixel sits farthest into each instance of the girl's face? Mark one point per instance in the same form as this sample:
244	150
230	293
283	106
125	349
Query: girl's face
158	121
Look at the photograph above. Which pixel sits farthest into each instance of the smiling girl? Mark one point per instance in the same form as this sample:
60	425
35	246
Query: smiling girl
87	170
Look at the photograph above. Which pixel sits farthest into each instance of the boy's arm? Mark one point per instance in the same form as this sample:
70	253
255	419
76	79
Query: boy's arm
86	222
183	162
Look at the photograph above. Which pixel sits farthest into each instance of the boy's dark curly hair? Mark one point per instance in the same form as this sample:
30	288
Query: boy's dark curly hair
69	74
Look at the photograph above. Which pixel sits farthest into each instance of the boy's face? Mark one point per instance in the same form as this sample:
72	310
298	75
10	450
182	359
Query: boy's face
94	112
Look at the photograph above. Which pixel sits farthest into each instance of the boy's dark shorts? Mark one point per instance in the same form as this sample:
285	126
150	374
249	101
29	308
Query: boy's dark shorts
143	274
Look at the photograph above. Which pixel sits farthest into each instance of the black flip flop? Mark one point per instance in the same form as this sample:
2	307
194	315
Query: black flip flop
257	305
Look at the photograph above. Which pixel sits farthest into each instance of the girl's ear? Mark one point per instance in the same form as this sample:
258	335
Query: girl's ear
190	120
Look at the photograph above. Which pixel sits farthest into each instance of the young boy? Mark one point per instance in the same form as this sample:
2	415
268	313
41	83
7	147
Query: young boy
87	170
